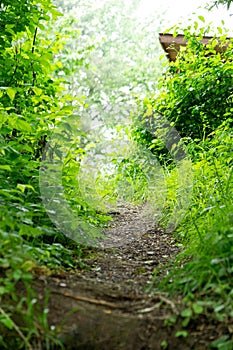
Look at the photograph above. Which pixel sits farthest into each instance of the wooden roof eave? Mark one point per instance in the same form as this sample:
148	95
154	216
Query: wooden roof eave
172	45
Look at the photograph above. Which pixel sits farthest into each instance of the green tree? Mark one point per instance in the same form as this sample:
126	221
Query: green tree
32	103
123	61
222	2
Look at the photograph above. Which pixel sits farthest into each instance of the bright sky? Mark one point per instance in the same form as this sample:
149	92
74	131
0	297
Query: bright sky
180	10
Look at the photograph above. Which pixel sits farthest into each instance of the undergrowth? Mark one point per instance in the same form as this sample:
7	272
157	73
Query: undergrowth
203	272
207	229
33	102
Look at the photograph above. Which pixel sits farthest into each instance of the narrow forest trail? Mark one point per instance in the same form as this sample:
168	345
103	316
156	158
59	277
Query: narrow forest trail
109	305
133	247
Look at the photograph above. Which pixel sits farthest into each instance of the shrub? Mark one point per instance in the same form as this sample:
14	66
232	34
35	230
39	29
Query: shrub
195	97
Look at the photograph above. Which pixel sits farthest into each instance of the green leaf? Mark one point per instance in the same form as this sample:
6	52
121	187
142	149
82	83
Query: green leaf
2	289
17	274
198	309
55	13
164	344
41	26
37	91
222	343
5	167
11	93
3	117
187	313
185	321
7	322
22	125
170	321
181	334
22	187
202	18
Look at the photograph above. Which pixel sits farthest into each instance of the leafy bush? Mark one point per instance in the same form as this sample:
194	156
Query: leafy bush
206	231
198	93
195	97
32	103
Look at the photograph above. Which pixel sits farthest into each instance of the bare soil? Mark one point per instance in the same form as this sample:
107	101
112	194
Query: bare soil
113	305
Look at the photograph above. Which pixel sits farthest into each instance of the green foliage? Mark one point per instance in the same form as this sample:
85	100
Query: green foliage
221	2
223	343
206	231
40	101
110	55
198	89
32	103
150	130
195	96
23	322
135	174
121	63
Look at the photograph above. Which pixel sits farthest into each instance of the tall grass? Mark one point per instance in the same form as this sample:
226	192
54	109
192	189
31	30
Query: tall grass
205	266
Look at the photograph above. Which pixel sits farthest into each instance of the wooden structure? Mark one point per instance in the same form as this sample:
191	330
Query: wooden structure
172	45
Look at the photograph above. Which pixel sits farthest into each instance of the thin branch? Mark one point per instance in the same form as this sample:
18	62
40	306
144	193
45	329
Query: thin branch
17	329
169	302
89	300
34	40
16	67
33	49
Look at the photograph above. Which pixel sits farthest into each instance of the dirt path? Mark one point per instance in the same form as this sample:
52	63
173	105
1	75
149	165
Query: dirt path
109	306
133	248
